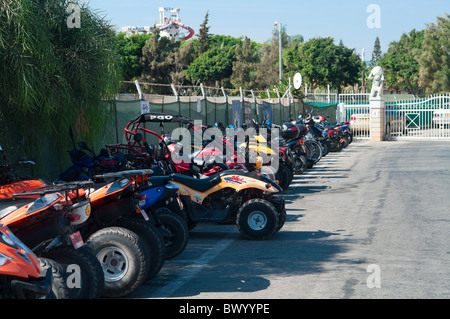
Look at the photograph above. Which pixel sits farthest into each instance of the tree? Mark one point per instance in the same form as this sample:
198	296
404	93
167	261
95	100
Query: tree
129	49
213	66
203	35
244	68
291	56
53	75
376	54
400	65
158	62
216	64
267	68
183	57
434	56
321	62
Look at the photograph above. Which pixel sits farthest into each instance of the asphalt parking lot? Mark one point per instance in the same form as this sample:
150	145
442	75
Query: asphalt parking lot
369	222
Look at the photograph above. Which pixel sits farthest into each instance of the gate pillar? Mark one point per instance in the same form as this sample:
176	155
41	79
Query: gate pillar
377	112
377	115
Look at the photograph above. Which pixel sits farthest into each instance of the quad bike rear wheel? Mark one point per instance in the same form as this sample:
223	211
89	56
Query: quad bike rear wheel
121	253
153	240
175	232
257	219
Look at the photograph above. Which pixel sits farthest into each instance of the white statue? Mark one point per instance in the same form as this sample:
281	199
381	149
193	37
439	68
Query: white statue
377	84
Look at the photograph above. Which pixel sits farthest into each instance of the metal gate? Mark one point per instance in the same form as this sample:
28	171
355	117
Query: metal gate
354	108
426	118
421	118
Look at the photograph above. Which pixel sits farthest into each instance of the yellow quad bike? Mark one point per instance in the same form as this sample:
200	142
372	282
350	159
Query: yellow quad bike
244	197
284	174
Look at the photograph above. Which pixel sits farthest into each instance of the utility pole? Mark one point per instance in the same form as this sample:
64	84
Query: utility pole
279	44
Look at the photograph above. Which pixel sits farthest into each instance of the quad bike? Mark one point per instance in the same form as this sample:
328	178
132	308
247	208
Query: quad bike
308	150
25	276
84	166
48	226
139	203
243	197
164	150
286	163
10	182
171	226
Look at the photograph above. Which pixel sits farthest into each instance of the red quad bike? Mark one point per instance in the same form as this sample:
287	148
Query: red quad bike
154	156
25	276
48	226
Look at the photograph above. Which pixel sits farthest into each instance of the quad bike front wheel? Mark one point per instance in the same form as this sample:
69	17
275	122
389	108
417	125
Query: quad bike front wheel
88	283
121	253
59	288
257	219
285	176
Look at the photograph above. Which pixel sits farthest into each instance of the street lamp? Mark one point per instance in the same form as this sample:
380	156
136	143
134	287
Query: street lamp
279	27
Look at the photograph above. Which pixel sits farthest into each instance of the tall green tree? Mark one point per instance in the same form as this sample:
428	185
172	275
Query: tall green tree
204	35
244	68
322	62
184	55
400	65
434	56
129	50
267	68
213	66
158	62
376	53
54	74
291	56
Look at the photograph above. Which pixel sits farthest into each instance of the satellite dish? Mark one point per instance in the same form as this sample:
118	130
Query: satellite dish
297	81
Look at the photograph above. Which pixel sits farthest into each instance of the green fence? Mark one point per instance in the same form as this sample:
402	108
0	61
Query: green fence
208	111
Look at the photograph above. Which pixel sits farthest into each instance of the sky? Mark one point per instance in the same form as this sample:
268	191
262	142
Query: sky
356	22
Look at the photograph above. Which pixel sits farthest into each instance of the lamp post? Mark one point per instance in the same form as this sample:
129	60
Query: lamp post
279	28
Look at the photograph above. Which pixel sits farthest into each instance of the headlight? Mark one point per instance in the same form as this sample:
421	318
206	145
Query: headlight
7	240
4	258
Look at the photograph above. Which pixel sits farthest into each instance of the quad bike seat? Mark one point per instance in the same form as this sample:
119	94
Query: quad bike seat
199	184
159	180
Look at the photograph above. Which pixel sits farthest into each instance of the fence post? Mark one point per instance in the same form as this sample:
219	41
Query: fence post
175	92
226	106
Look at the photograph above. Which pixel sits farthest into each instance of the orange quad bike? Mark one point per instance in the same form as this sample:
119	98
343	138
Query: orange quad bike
25	276
47	224
127	240
11	183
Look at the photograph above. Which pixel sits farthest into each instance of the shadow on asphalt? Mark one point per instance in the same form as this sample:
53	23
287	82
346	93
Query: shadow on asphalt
245	266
